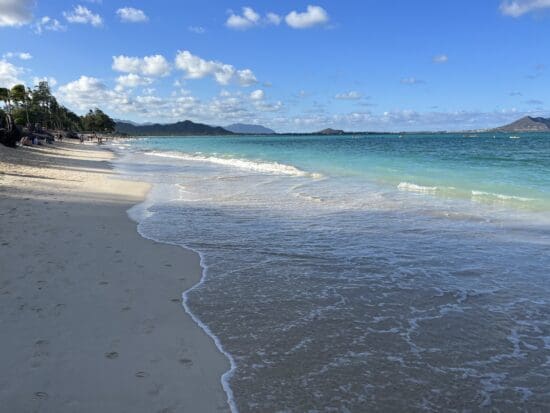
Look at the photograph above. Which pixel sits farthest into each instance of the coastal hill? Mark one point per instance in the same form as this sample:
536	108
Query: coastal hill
170	129
242	128
527	124
330	131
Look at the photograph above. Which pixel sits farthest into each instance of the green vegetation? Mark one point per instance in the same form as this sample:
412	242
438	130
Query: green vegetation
38	106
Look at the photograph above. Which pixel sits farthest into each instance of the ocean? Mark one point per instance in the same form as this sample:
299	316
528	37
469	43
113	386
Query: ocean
363	273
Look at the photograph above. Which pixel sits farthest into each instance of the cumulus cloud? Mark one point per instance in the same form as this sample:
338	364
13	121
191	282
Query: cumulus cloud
47	23
9	74
257	95
131	15
351	95
83	15
18	55
89	92
248	19
411	81
518	8
132	80
16	13
198	68
313	16
441	58
155	65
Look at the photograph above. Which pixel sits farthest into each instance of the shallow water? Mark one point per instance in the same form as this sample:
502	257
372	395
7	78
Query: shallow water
379	273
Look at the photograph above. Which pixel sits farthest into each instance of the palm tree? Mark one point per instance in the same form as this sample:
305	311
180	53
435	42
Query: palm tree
18	94
5	96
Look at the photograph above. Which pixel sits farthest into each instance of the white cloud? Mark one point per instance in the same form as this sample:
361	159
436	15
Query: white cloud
155	65
248	19
132	80
19	55
197	29
131	15
441	58
273	18
411	81
89	92
198	68
251	18
126	64
16	12
83	15
268	106
47	23
257	95
314	15
9	74
351	95
518	8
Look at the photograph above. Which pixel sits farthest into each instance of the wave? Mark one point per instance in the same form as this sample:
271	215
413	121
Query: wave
275	168
409	187
482	194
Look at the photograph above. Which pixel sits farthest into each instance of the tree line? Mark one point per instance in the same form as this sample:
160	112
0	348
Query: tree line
37	106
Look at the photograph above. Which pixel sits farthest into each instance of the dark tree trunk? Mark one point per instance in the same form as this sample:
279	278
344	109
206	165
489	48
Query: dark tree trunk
9	134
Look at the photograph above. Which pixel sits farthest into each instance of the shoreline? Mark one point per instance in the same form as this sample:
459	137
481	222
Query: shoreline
226	376
89	306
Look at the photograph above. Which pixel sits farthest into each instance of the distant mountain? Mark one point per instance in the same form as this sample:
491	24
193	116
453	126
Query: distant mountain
249	129
330	131
184	128
527	124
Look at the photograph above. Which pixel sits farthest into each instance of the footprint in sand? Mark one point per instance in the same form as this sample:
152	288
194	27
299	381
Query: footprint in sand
41	352
40	395
111	355
58	309
186	362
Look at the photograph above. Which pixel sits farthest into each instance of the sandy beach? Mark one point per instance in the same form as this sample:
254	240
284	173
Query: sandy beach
90	312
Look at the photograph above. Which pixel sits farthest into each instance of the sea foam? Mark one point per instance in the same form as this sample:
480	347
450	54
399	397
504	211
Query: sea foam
410	187
275	168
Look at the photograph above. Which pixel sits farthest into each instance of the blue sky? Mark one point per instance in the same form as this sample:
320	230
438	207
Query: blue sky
289	65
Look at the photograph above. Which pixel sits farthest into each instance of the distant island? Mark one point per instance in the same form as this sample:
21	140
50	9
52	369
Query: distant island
246	129
330	131
526	124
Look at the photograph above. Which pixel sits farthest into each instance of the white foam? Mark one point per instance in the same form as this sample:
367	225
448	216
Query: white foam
275	168
482	194
409	187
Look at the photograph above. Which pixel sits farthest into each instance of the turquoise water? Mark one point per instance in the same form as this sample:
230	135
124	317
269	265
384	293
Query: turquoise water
488	168
369	273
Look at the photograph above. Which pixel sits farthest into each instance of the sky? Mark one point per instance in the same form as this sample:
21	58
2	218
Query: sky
302	66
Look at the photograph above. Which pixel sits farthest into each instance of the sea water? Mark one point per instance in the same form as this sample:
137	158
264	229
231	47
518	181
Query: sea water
363	273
